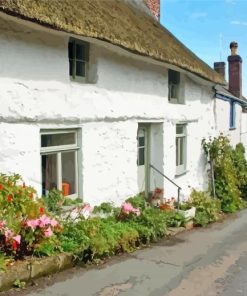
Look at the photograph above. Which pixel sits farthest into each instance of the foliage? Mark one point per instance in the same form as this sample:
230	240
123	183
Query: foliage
138	201
240	164
174	219
155	220
24	222
70	202
207	209
105	207
19	284
2	262
226	181
54	200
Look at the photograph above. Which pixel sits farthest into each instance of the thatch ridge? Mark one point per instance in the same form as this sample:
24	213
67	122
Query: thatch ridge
113	21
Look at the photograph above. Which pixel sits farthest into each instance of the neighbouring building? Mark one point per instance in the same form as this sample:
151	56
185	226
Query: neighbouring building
94	92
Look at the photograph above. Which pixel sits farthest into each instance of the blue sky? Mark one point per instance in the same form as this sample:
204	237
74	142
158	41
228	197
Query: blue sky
208	26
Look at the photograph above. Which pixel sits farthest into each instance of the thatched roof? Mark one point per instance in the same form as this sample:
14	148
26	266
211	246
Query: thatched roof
114	21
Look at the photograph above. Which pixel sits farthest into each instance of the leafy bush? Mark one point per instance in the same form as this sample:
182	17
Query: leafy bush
138	201
240	164
70	202
155	220
105	207
54	200
24	222
207	209
226	180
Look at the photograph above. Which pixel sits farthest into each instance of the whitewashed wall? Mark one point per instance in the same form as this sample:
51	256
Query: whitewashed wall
36	93
223	121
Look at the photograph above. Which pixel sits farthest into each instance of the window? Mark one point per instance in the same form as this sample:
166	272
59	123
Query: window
78	60
141	147
59	151
232	115
180	149
173	84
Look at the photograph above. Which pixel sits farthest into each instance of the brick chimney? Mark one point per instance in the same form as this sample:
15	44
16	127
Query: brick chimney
235	71
220	67
154	6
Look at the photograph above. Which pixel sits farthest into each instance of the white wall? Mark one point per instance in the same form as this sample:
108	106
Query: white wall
223	121
36	92
109	161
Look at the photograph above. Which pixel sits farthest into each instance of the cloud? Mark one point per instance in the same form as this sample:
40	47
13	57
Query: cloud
230	1
198	15
238	23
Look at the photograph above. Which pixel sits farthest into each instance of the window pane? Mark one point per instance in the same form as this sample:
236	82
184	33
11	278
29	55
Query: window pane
71	50
141	156
141	141
177	151
173	77
71	67
58	139
80	52
80	69
69	173
179	129
181	151
49	173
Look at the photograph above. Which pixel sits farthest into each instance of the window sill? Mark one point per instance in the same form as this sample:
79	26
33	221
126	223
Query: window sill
177	175
232	128
176	102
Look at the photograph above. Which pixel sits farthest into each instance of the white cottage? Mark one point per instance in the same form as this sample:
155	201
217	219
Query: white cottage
96	96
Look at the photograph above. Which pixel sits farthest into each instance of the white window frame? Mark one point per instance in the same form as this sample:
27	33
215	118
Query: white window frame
181	169
58	151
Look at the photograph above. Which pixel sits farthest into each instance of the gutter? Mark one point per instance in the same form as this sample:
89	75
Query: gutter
226	97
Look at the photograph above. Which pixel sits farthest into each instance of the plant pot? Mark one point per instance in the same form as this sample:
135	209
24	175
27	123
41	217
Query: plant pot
188	214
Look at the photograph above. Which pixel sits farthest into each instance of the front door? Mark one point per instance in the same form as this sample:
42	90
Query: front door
142	158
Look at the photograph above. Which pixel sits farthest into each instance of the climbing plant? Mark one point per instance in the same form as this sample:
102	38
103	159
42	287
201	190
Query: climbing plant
226	179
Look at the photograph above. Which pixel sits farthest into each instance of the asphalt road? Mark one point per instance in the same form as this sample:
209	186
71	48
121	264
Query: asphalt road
205	262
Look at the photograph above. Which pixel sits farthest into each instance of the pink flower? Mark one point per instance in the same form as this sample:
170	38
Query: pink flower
17	238
53	222
127	207
137	212
8	233
44	221
32	224
48	232
2	224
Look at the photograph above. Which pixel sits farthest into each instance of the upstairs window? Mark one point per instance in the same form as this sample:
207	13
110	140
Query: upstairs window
78	60
232	115
173	84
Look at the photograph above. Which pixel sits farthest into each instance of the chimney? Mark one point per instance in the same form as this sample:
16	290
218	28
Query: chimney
220	67
235	71
154	6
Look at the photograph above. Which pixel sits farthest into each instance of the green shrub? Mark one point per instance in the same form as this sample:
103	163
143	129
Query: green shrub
240	164
104	207
207	209
155	220
70	202
54	200
219	151
138	201
174	219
